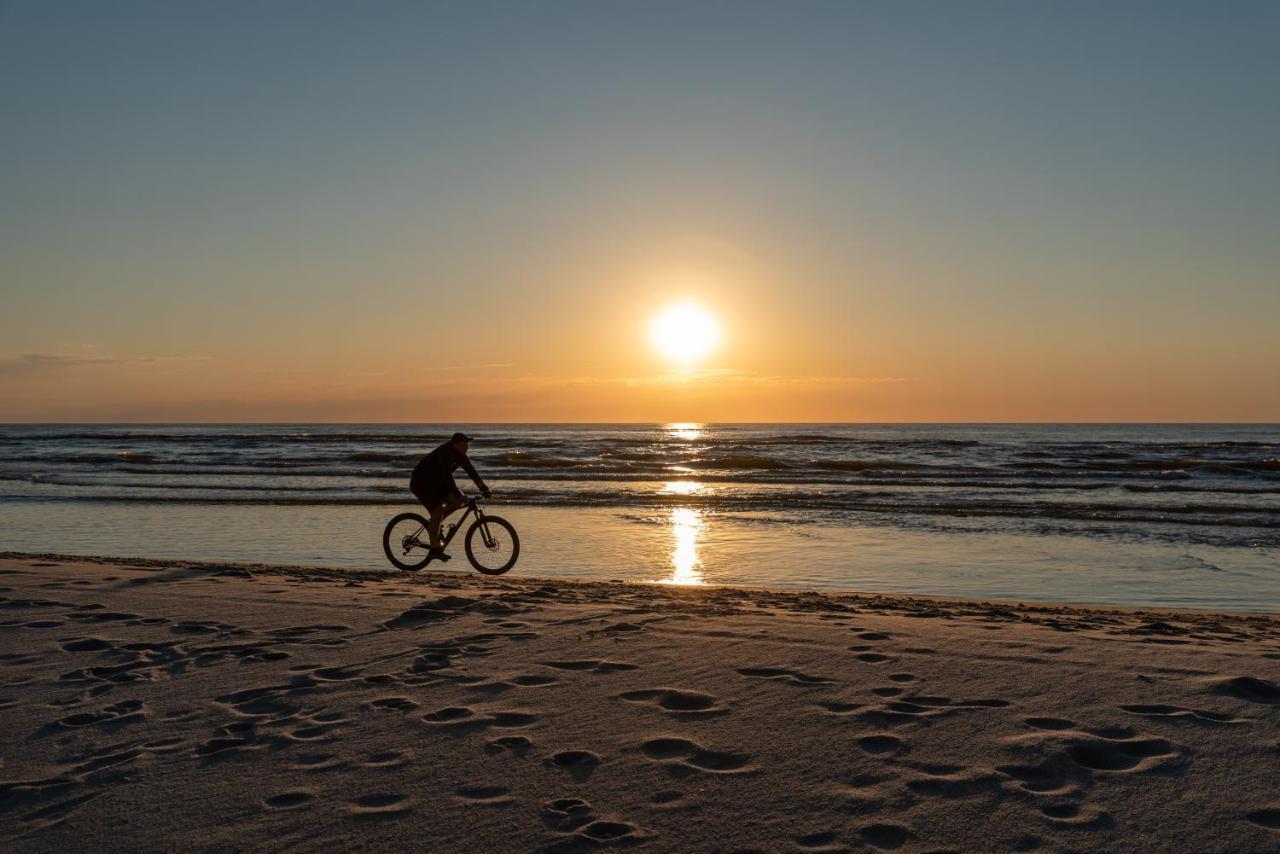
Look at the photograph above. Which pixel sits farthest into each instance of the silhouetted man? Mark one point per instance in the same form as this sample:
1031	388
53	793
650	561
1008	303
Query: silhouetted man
432	484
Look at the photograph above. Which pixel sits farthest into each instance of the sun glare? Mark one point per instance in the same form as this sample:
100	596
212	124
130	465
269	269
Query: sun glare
685	333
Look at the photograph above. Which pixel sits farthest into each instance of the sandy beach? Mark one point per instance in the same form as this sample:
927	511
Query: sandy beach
152	705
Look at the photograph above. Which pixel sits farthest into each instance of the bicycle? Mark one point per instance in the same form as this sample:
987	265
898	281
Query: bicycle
492	543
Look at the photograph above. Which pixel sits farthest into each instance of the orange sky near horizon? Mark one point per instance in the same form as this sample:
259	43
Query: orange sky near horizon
896	212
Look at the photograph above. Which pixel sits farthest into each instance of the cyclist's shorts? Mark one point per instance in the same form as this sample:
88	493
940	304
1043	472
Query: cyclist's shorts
433	490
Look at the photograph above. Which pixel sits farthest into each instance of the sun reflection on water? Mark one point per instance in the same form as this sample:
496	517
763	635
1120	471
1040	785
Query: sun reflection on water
685	564
681	487
686	430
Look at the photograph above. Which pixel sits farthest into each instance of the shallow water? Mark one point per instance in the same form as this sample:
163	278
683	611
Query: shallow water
1175	516
692	546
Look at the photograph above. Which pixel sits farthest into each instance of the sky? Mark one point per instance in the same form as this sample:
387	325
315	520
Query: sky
467	212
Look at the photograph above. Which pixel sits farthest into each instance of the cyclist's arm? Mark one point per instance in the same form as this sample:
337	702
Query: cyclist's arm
475	476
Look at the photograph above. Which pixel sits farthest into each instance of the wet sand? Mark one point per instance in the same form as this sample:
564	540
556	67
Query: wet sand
151	705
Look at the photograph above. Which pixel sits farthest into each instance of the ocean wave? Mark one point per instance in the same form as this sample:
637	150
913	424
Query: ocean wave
375	457
738	461
527	460
864	465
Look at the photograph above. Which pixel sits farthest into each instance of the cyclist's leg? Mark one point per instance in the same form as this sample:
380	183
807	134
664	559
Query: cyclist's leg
433	499
436	514
452	501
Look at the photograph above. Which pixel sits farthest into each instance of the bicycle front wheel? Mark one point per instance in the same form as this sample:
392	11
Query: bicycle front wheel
492	545
406	542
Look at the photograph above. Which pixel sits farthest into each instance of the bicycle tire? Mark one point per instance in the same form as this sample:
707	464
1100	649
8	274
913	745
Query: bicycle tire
476	554
392	550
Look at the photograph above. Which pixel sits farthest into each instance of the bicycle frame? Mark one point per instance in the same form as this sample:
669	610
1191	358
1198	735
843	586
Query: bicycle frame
472	507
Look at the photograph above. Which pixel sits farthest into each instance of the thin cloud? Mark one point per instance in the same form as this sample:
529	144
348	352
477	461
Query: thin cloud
35	362
467	367
726	377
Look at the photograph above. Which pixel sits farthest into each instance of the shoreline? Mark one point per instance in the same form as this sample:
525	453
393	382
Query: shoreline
908	601
324	709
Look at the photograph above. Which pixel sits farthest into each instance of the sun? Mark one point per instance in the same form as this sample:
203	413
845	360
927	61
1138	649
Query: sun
685	333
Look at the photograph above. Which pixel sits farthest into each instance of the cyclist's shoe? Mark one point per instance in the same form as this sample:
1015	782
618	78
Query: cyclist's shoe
439	554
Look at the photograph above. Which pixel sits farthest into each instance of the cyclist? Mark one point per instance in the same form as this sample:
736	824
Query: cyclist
432	484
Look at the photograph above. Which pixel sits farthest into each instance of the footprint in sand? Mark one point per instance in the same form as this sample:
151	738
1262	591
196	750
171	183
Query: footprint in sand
464	717
1252	689
954	781
450	715
682	756
882	744
1179	713
822	841
262	702
489	796
1137	754
394	704
381	805
917	707
1061	811
312	733
87	645
337	674
678	701
517	744
118	714
580	764
1045	778
1268	818
491	688
838	707
317	762
328	717
886	837
1114	733
792	677
512	719
387	759
606	832
1067	814
567	814
1049	723
289	800
872	657
224	745
54	814
194	628
874	636
165	745
592	665
533	680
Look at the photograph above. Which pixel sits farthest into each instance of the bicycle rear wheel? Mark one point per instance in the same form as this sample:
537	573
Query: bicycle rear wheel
492	545
406	542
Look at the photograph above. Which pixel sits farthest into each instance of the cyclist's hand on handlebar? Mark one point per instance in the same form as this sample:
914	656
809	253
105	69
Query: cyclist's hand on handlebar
485	492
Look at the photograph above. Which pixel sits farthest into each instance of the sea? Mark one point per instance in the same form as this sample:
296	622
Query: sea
1180	516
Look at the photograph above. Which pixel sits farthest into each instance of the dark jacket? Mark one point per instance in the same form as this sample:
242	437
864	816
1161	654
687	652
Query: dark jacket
442	463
